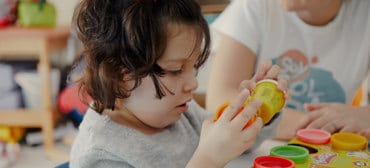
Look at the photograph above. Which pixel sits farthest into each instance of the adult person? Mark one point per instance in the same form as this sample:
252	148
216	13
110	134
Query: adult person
321	46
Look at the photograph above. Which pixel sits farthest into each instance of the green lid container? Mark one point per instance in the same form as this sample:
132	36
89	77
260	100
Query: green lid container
295	153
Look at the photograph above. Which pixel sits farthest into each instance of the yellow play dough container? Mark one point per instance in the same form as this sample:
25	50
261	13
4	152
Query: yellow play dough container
272	98
348	141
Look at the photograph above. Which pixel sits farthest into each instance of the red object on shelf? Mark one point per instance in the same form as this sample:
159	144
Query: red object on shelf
4	22
70	100
8	12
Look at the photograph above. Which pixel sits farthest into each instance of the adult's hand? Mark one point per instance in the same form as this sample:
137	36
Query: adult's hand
337	117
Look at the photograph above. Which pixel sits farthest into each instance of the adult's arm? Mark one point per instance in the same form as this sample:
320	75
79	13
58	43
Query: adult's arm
233	63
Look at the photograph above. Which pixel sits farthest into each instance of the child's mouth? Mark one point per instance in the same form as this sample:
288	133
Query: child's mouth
183	107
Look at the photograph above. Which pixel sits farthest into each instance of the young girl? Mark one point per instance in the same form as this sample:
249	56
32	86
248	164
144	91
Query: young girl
142	58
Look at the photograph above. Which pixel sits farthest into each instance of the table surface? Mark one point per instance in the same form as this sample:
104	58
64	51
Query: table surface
246	160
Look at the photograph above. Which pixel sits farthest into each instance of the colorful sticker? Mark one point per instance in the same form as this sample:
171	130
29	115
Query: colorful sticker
360	164
324	158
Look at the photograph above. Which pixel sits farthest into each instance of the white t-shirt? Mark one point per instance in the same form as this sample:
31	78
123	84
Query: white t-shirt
322	63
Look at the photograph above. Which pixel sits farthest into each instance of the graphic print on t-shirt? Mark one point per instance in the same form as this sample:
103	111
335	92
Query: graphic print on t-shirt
307	84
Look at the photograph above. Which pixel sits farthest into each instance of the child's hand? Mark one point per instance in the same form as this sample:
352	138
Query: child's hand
266	70
225	139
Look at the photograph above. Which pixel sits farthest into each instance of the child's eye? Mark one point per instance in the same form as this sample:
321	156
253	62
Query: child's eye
175	72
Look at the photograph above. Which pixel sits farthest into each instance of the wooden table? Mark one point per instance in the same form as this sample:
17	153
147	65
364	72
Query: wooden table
21	43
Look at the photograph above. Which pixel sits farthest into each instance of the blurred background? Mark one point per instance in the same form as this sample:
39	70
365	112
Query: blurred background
39	109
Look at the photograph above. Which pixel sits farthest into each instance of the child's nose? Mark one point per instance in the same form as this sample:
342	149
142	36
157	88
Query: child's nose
191	83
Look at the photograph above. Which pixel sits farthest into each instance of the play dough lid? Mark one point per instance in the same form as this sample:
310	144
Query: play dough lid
313	136
272	162
295	153
272	98
348	141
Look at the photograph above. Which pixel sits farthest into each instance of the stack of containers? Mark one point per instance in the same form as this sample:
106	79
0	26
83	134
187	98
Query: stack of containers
318	148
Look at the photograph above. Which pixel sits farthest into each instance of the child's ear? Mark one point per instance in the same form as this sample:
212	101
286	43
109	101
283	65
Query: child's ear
127	83
127	75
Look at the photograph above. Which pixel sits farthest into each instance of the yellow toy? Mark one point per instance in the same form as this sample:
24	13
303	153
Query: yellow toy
11	134
272	98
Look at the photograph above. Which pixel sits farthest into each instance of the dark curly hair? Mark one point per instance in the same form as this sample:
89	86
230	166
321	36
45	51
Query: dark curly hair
123	39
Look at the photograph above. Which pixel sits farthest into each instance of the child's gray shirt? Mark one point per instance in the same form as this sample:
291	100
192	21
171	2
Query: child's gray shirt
103	143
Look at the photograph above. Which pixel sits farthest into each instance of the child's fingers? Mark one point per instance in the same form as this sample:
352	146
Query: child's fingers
249	112
282	84
273	72
247	84
287	94
253	129
231	110
262	70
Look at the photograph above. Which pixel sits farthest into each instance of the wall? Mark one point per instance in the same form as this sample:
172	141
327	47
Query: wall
65	10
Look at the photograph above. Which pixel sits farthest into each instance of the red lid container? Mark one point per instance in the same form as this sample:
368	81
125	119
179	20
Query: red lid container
272	162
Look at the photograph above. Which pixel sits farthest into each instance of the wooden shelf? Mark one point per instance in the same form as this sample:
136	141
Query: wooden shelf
24	43
25	117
